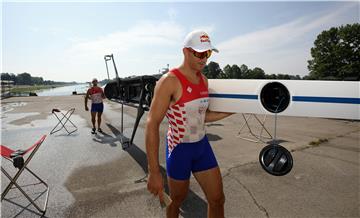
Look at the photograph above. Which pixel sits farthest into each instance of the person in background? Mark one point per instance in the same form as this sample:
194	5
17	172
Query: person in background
96	94
182	96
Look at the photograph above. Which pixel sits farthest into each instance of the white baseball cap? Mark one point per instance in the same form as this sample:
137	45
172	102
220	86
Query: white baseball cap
199	41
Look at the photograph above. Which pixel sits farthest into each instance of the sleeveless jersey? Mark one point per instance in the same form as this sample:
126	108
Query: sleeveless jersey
96	94
187	116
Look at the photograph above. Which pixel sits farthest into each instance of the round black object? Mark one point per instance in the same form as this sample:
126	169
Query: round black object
275	97
276	160
18	161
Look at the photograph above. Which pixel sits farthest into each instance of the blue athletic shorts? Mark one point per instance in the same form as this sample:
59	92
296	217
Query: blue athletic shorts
97	107
189	157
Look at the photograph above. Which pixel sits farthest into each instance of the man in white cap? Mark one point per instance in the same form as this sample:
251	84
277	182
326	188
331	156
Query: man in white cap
182	96
96	94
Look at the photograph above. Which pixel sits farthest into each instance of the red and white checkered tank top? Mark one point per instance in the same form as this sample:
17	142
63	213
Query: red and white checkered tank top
187	116
96	94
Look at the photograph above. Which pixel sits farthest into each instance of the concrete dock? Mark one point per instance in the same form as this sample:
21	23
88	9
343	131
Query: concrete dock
92	176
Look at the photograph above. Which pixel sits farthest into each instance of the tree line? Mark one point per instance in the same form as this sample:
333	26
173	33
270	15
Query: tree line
27	79
213	71
335	56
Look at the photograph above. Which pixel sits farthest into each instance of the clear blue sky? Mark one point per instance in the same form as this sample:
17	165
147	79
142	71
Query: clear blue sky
67	41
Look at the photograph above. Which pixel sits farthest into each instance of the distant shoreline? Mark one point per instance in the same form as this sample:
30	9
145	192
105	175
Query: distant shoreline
33	88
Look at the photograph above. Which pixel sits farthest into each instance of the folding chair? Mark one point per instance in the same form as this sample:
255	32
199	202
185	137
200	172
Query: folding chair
65	116
17	158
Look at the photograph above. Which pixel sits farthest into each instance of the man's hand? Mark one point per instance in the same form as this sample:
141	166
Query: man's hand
86	108
155	185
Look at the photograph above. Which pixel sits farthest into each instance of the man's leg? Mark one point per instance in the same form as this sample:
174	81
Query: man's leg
99	119
93	115
211	183
178	192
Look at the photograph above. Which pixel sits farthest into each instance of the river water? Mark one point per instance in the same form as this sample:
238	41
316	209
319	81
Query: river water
65	90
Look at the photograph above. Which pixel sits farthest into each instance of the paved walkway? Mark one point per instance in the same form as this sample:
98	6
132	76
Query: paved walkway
92	176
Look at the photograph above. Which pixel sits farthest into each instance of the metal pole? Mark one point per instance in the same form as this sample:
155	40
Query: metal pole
277	108
116	72
122	118
107	69
275	127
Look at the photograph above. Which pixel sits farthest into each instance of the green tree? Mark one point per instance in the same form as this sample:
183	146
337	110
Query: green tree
271	76
8	76
5	76
205	71
228	72
336	54
296	77
257	73
308	77
37	80
283	76
236	72
232	72
23	79
214	70
244	71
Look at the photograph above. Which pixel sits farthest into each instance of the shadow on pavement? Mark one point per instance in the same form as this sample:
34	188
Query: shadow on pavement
193	206
27	207
93	186
213	137
105	138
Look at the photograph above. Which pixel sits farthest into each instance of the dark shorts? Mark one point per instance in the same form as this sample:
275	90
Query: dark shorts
189	157
97	107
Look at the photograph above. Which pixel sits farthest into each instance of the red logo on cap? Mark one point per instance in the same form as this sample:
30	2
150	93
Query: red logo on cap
204	38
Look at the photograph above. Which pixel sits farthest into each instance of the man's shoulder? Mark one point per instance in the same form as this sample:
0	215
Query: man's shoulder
94	89
169	78
168	82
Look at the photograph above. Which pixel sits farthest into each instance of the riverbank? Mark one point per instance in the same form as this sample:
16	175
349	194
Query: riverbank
47	90
33	88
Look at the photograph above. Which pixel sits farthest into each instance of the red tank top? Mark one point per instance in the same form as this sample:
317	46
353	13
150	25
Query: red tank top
187	116
96	94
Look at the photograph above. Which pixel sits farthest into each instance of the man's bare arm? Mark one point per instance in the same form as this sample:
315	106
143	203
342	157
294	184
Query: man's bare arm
86	100
164	90
212	116
159	105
